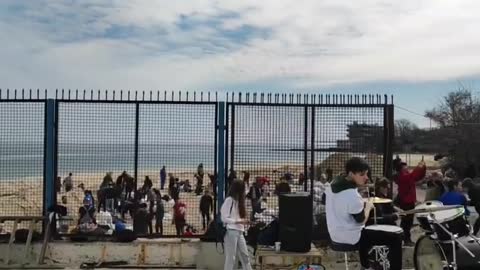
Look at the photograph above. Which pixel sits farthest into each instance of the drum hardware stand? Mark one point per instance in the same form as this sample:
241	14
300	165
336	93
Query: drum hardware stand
476	239
453	241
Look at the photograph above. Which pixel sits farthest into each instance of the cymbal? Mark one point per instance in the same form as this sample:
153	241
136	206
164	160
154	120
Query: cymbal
429	209
378	200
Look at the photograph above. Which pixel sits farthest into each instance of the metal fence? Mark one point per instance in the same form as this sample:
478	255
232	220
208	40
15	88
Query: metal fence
129	153
22	142
300	142
115	148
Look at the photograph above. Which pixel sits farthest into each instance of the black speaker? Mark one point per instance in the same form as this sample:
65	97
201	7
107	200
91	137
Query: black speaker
296	218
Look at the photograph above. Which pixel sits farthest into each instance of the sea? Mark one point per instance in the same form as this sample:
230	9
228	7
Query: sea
25	160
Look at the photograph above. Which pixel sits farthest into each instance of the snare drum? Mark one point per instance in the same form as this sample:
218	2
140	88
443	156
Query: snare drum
423	218
453	220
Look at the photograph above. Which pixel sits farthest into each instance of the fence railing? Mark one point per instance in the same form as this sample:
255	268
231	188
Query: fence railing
114	144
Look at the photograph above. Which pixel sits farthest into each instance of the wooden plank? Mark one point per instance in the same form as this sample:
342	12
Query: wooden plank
29	241
10	242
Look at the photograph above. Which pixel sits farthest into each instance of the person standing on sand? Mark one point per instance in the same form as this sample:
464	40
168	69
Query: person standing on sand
179	212
206	205
255	195
246	178
163	177
68	182
159	212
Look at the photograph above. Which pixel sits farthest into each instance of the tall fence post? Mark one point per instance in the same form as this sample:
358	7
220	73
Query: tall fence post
389	135
221	128
135	162
49	162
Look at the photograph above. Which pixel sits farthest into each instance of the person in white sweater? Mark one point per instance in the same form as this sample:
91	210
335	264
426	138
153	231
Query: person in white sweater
233	215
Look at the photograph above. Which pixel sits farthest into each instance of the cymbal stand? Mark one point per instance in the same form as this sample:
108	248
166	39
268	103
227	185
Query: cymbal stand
374	208
454	240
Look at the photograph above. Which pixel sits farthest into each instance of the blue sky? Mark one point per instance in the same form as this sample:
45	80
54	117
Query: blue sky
416	50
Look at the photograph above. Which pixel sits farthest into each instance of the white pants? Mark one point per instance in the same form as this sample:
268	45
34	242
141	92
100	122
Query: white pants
235	245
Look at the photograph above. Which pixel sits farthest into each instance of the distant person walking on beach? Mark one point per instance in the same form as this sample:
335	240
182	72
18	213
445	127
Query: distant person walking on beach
163	177
68	182
206	205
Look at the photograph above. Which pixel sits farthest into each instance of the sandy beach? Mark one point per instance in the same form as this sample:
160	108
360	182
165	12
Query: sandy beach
25	196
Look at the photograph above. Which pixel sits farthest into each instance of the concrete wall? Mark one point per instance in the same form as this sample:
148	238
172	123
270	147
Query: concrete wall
164	252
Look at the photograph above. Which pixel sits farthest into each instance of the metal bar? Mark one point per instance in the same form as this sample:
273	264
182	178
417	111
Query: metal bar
389	131
232	139
227	131
215	157
312	149
305	147
221	151
49	157
137	116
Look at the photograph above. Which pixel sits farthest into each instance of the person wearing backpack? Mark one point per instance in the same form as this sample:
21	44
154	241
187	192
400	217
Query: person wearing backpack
233	215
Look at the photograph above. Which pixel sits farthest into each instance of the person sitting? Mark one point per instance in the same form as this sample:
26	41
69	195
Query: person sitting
347	214
87	222
388	214
187	187
454	195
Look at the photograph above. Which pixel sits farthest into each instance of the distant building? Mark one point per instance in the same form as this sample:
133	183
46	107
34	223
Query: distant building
363	138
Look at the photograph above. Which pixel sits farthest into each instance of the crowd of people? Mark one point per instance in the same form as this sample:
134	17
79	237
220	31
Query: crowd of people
145	206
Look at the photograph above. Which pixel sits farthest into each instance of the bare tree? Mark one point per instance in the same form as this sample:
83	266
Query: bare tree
404	133
459	114
457	108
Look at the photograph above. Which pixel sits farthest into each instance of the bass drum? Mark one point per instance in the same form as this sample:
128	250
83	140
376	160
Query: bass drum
431	255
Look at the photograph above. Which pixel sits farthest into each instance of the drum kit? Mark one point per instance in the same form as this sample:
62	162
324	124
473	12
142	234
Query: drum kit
448	242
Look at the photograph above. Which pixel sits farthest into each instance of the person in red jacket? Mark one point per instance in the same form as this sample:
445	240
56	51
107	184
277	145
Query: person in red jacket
407	195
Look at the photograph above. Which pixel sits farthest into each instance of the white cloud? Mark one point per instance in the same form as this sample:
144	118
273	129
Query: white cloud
55	44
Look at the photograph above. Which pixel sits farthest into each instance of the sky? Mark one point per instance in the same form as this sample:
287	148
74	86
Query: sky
417	51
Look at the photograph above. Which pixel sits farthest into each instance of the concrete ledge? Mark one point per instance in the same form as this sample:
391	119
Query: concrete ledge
173	253
165	252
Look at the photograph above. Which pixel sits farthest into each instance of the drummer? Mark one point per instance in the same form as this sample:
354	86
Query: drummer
347	215
387	211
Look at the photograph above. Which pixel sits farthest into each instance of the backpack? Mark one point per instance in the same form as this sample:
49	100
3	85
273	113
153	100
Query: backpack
125	236
220	230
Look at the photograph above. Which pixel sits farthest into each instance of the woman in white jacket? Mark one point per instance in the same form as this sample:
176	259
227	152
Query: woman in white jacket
233	214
